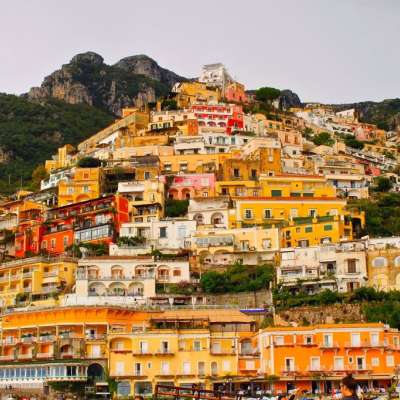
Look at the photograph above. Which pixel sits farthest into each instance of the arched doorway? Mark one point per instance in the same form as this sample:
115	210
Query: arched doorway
95	373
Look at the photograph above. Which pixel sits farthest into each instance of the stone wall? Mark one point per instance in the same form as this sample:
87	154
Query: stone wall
336	313
242	300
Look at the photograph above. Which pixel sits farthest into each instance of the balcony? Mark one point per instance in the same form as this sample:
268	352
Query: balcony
46	338
67	354
9	341
222	352
7	357
45	355
28	339
364	344
164	352
96	336
51	274
331	345
26	356
27	274
142	353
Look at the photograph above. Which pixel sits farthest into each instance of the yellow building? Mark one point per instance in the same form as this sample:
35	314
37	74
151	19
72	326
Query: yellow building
131	122
66	344
188	93
179	348
193	163
64	158
384	267
292	185
86	184
146	199
35	280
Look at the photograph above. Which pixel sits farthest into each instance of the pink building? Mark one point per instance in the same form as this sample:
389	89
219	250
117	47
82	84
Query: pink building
227	116
187	186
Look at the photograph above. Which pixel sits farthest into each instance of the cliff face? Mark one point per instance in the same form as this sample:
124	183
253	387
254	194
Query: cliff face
87	79
385	114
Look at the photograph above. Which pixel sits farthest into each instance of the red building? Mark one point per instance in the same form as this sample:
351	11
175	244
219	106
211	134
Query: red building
28	233
227	116
97	220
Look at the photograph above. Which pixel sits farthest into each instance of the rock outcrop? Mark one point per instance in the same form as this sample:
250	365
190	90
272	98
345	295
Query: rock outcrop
132	81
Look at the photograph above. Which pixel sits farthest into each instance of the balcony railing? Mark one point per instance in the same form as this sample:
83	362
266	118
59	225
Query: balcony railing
46	338
45	355
7	357
26	356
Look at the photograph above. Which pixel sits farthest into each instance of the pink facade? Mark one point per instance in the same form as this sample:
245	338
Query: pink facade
187	186
235	92
227	116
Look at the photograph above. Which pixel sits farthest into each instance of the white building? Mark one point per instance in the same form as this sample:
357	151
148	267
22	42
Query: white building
215	75
162	234
213	211
340	267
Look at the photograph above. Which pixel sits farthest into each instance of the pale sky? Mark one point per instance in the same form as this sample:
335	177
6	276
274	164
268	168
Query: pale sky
324	50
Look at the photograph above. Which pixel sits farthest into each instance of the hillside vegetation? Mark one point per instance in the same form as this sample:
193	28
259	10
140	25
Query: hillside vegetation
30	132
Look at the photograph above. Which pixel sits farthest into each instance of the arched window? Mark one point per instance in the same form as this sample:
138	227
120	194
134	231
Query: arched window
397	261
379	262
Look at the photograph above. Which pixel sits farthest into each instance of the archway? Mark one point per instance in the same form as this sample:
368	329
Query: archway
95	373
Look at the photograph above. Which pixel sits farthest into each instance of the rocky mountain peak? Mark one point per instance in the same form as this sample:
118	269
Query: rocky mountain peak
90	57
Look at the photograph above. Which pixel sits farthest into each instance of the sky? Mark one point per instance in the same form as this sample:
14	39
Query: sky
331	51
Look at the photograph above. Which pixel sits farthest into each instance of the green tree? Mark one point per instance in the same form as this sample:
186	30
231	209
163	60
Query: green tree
351	141
38	174
213	282
176	208
267	94
323	138
383	184
89	162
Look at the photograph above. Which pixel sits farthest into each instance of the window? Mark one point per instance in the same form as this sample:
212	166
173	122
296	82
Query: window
308	229
279	340
164	347
119	368
328	227
312	212
294	212
65	241
374	339
44	244
328	340
186	368
361	363
390	361
138	369
236	173
85	189
351	266
165	368
267	213
375	361
53	243
355	339
196	345
314	364
266	243
146	175
248	214
254	173
226	366
303	243
276	193
379	262
308	340
143	347
397	261
163	232
289	364
250	366
201	368
338	364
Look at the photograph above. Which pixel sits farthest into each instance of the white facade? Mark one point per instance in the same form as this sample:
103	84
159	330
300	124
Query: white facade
209	211
215	75
163	234
55	178
339	267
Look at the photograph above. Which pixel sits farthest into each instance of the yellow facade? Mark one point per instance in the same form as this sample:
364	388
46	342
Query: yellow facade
289	185
191	163
194	92
34	280
86	184
64	158
182	347
384	268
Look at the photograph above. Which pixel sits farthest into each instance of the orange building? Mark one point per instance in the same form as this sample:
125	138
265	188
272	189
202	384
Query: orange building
316	358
